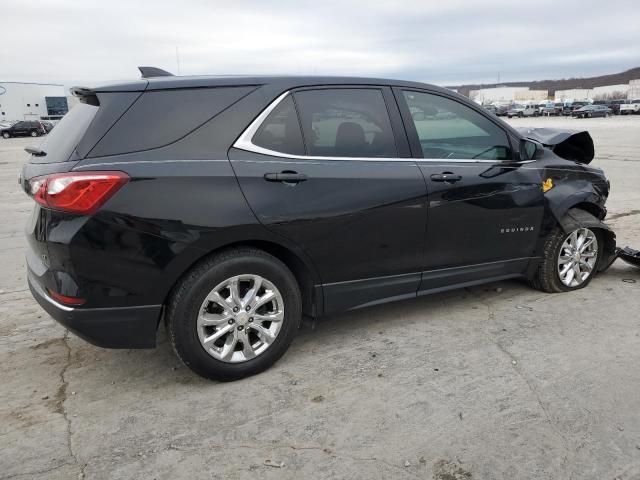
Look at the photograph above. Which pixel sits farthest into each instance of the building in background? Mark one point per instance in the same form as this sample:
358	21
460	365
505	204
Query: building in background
634	90
531	95
573	94
505	95
610	92
607	92
32	101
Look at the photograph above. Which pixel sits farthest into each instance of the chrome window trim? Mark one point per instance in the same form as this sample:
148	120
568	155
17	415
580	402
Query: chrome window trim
245	142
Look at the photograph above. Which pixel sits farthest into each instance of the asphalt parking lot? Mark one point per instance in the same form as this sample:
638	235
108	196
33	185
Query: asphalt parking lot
493	382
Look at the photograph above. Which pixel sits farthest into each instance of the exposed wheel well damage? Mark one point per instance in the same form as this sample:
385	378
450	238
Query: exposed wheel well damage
578	217
595	210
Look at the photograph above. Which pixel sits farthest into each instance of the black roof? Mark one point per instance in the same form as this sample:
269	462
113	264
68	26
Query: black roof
286	82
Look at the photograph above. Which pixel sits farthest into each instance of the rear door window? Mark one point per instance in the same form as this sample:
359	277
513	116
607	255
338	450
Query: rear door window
450	130
345	122
280	131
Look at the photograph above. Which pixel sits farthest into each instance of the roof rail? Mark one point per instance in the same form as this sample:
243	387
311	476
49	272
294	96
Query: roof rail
150	72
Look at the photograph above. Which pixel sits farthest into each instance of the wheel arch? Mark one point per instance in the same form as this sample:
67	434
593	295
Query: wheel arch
301	267
588	215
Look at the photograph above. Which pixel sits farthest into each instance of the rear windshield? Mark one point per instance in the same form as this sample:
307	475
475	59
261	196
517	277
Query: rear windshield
62	140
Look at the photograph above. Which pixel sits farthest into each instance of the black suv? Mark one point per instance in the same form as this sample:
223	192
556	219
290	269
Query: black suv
234	207
25	128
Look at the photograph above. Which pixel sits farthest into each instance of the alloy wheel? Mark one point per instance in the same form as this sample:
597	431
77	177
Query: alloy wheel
577	258
240	318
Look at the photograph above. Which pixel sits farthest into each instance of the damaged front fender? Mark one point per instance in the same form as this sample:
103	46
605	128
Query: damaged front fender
575	145
576	218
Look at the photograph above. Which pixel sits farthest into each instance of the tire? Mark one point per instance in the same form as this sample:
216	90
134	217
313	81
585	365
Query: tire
188	301
588	115
521	115
6	135
547	277
33	133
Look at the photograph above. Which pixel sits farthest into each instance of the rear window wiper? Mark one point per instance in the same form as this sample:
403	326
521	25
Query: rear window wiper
35	151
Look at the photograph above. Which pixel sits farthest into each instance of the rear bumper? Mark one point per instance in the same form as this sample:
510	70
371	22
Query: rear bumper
118	327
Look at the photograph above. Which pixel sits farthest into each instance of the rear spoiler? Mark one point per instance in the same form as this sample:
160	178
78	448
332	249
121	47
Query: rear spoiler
85	95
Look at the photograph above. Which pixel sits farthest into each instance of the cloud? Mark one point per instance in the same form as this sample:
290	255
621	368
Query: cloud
440	42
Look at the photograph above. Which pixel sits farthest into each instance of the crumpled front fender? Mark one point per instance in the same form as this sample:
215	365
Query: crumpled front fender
576	218
576	145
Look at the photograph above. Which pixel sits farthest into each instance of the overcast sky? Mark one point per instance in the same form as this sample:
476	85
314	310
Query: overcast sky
437	41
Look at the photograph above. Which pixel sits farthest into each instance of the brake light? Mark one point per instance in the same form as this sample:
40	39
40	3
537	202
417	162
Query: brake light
65	299
83	193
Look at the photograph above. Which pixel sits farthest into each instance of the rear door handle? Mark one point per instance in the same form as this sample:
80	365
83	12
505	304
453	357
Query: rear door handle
291	177
446	177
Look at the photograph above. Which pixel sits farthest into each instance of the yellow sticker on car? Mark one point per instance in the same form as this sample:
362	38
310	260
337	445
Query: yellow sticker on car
547	185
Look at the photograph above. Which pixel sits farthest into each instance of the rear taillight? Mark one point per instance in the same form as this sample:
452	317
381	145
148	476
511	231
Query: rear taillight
65	298
83	193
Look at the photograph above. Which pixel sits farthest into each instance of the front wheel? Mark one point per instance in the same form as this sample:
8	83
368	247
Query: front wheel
569	260
6	135
34	133
234	315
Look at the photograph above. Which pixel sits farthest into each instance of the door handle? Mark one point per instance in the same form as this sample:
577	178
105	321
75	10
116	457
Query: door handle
448	177
287	177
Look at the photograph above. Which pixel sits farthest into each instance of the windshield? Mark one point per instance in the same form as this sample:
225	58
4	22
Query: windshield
63	139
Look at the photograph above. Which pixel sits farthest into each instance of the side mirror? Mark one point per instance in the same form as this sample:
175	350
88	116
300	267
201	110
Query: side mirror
530	150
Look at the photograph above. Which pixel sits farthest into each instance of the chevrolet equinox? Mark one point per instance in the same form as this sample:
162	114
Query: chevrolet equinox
233	207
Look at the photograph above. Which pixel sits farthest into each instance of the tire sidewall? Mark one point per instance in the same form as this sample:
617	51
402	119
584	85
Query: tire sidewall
183	318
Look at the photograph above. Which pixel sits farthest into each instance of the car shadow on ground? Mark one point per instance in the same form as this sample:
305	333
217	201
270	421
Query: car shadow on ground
389	317
161	365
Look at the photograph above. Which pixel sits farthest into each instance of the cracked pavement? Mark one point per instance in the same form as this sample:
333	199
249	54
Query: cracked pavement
493	382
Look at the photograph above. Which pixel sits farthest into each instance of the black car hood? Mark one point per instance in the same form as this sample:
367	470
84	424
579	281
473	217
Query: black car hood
576	145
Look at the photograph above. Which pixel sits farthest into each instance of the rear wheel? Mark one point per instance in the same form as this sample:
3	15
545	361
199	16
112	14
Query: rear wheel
34	133
234	315
570	260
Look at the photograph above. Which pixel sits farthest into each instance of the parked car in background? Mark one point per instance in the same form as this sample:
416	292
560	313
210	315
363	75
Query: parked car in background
589	111
606	103
24	128
614	105
491	109
632	107
542	107
551	108
6	124
523	111
570	108
502	110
